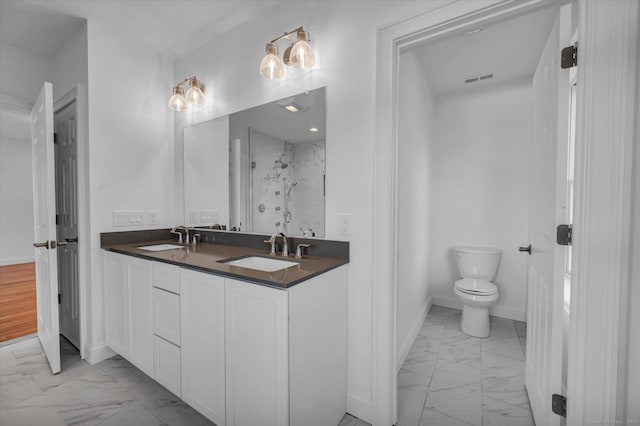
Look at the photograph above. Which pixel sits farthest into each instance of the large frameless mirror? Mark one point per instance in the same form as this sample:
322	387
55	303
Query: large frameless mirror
259	170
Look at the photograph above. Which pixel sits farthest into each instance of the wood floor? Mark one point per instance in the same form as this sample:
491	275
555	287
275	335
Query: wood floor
17	301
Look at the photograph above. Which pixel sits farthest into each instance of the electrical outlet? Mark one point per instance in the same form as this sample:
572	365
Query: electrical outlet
344	224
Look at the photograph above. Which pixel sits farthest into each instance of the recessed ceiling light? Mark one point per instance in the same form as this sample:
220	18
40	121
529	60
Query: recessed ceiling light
477	30
291	108
313	129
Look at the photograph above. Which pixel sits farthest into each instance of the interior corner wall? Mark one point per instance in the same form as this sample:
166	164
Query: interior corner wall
69	64
21	76
416	129
130	154
234	84
481	188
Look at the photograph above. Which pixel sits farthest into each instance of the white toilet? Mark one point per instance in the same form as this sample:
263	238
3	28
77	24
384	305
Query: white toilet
477	267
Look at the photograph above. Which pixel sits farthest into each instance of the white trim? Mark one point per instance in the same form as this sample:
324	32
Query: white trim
605	130
359	407
97	353
496	311
16	260
405	346
391	40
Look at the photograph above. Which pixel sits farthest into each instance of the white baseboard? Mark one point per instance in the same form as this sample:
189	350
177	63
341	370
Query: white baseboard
16	260
97	353
359	408
405	345
496	311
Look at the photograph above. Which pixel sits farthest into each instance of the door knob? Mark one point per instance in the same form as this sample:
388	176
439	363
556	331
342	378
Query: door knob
45	245
527	249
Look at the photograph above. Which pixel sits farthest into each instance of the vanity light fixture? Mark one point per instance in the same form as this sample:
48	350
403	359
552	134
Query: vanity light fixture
298	55
195	95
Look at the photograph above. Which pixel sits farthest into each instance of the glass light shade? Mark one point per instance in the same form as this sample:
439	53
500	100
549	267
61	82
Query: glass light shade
302	55
195	95
271	67
177	102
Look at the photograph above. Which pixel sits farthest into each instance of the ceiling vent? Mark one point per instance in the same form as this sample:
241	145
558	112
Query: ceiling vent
478	78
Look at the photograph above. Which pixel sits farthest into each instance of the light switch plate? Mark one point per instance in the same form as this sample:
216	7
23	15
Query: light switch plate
128	218
152	217
344	224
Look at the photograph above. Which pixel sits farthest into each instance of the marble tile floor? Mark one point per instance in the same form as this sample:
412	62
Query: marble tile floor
452	379
112	392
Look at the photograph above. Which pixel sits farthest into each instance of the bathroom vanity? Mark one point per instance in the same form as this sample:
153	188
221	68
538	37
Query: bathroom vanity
241	346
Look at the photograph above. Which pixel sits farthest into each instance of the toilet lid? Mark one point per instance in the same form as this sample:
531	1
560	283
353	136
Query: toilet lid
476	286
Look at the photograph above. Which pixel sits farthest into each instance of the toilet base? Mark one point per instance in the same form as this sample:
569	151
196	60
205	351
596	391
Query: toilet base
475	321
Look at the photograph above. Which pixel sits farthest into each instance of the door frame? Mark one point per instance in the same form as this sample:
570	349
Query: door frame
603	206
79	95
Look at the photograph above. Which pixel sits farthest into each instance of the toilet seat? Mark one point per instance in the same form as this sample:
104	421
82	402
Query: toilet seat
476	287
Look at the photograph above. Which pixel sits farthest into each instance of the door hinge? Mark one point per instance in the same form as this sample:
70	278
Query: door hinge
55	138
564	235
559	404
59	298
57	219
569	57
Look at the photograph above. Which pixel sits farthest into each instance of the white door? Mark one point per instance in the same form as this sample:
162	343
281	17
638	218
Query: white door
545	282
66	161
44	206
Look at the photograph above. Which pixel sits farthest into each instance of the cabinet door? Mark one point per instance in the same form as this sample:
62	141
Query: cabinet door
140	313
115	302
257	337
202	343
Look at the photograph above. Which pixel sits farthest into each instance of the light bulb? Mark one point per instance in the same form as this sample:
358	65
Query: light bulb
195	94
271	66
302	55
177	102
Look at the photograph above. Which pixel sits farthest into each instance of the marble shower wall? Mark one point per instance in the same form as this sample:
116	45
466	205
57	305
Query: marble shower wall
286	199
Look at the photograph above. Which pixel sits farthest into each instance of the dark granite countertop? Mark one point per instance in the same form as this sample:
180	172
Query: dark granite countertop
206	257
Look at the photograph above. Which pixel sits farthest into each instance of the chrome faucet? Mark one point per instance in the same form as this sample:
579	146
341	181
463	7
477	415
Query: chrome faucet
299	250
272	241
176	230
285	246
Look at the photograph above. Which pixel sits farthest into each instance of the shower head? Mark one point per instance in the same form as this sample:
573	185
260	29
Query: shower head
281	164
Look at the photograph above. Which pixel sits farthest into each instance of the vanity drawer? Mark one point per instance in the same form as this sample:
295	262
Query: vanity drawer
166	276
167	365
166	315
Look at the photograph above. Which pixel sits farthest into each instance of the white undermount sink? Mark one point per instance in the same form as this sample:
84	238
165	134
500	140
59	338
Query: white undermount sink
260	263
160	247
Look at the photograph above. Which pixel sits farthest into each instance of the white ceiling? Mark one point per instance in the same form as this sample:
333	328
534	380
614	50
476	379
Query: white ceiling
508	49
172	28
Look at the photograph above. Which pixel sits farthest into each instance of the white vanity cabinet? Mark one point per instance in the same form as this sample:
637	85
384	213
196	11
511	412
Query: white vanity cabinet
240	353
202	335
128	309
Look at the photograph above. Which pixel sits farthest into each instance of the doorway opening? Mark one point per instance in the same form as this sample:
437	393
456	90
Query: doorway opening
66	171
468	177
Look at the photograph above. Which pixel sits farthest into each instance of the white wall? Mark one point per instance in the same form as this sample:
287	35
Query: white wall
21	76
633	324
69	64
481	188
16	193
229	68
130	134
416	130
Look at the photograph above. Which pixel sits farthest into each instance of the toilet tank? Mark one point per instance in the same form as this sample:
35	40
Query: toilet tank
477	262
